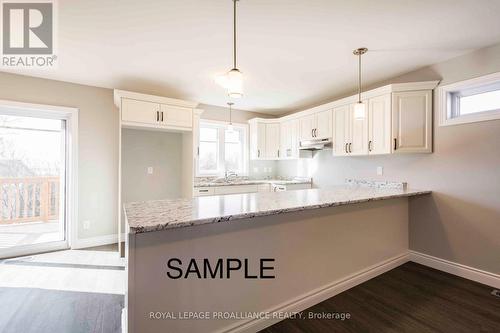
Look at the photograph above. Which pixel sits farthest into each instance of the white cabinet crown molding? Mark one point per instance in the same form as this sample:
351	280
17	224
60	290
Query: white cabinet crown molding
390	88
119	94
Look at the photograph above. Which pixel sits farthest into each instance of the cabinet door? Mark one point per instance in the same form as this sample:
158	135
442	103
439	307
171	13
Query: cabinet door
272	141
358	143
257	140
379	125
412	121
140	111
323	127
307	124
285	139
176	116
341	130
294	139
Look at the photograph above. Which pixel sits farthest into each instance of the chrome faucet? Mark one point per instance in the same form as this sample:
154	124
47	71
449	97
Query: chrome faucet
228	175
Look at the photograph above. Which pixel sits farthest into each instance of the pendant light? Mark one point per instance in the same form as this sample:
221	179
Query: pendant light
230	125
232	81
359	107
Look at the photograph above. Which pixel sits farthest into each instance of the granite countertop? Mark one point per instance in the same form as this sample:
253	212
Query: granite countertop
234	182
166	214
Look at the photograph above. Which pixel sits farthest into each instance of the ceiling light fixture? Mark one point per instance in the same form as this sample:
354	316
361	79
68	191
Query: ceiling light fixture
232	81
230	125
359	107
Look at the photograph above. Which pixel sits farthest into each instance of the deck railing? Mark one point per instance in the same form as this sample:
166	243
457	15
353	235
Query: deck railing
29	199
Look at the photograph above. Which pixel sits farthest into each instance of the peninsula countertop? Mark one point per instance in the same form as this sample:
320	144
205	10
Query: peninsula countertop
159	215
244	181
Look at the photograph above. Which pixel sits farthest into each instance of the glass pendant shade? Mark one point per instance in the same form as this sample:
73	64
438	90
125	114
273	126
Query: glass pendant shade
234	83
359	111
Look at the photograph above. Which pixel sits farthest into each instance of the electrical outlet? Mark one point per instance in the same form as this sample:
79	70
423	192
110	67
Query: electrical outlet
270	169
86	225
150	170
380	171
255	169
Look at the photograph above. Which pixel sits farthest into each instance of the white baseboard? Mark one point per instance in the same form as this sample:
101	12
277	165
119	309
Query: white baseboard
316	296
454	268
95	241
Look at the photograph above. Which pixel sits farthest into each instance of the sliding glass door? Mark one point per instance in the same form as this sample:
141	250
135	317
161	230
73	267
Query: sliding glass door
33	158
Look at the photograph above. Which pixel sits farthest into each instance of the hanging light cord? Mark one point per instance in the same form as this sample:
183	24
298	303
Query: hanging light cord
234	33
359	78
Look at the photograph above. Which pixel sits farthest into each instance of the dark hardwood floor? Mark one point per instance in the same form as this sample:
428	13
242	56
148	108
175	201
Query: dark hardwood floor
409	298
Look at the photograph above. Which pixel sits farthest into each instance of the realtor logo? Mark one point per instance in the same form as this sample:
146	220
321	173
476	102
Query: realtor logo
28	29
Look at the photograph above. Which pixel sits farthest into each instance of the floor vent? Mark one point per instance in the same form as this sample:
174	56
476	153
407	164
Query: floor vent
496	292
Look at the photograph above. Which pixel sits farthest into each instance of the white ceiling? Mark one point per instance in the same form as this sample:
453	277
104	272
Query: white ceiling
293	53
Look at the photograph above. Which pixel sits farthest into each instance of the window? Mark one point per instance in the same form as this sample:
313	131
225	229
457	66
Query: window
221	149
470	101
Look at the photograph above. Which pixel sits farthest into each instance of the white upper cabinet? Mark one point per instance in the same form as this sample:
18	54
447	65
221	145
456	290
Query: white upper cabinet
176	116
289	139
273	141
307	125
358	130
379	125
316	126
412	121
257	140
140	111
398	119
323	128
341	130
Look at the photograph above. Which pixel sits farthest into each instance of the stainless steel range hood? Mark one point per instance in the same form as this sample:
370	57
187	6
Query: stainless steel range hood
315	144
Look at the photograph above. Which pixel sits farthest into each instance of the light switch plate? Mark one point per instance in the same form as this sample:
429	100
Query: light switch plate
380	171
86	225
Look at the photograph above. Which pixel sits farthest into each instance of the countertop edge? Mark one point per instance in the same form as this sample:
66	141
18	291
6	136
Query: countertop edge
210	220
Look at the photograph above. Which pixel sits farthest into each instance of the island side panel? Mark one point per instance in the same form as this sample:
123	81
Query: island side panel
313	250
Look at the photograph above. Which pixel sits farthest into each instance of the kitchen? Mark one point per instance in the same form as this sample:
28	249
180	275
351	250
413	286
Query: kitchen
251	166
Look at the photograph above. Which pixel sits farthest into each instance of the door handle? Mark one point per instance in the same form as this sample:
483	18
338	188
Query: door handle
278	153
312	132
157	116
315	132
345	148
370	145
350	145
395	143
258	152
162	116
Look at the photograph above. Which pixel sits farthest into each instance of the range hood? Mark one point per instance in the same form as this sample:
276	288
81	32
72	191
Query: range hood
315	144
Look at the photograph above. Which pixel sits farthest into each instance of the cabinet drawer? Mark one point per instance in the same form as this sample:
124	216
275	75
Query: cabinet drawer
292	187
234	189
202	191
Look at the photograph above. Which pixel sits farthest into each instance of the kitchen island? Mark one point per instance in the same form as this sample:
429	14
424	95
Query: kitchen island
242	262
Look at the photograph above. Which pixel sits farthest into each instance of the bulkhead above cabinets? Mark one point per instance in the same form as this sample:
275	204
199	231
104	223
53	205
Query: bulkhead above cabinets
397	120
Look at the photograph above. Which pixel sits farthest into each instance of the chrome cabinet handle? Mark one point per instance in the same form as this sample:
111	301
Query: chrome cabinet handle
370	145
350	145
345	148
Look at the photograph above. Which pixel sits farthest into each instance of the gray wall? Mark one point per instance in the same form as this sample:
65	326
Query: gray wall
460	222
142	149
97	143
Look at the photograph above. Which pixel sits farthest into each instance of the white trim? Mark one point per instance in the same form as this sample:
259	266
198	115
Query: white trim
69	114
443	102
97	241
387	89
457	269
25	250
119	94
318	295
